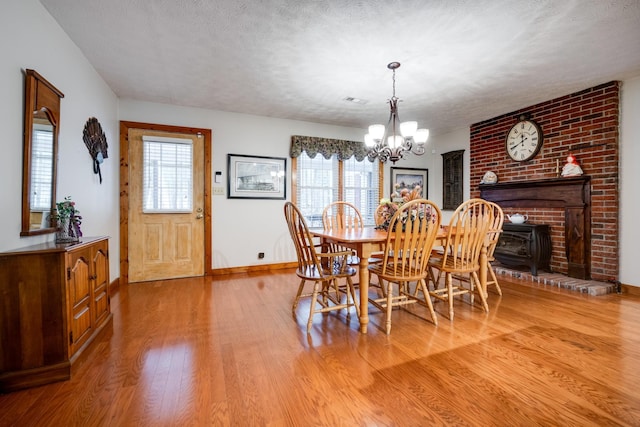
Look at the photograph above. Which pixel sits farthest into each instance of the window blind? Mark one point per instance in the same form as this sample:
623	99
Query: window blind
361	187
318	184
167	183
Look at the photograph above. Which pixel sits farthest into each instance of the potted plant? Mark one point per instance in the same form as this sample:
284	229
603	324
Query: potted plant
68	221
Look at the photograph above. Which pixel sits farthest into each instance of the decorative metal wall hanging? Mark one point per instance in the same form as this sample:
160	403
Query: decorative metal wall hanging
96	143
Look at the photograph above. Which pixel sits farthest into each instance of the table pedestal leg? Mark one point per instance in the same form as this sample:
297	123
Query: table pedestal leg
364	292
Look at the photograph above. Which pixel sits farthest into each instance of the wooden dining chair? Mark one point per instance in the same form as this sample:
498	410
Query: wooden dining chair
410	237
378	216
324	269
460	259
493	236
341	215
492	241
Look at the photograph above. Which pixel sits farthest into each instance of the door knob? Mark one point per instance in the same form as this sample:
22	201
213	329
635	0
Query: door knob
199	216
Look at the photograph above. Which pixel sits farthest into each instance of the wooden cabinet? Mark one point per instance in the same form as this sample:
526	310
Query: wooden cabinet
55	300
452	176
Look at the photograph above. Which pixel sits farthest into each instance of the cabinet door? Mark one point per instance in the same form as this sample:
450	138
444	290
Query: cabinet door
452	176
79	289
100	282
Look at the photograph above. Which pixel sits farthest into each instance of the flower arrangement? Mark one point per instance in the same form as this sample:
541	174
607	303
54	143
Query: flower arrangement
69	220
388	207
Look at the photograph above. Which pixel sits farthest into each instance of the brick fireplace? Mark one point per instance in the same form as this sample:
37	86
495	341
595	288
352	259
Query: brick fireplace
584	123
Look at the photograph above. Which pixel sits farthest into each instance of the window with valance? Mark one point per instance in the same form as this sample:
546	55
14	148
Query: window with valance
341	172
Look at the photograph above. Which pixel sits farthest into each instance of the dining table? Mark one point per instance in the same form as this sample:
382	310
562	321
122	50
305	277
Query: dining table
367	241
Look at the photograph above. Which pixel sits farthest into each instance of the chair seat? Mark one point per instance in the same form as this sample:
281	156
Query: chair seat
312	273
450	265
355	260
396	273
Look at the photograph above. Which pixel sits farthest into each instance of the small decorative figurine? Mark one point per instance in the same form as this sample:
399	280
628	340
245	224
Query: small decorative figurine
489	178
571	168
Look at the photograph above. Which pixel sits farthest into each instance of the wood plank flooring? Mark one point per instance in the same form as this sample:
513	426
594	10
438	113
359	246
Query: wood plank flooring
229	352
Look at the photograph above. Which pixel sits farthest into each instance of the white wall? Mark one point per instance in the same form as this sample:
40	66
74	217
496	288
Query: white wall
629	178
241	227
30	38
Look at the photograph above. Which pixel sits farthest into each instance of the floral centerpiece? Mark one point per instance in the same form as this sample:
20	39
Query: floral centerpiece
388	207
68	221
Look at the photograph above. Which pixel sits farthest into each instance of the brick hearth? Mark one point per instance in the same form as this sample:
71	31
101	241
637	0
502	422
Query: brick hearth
557	280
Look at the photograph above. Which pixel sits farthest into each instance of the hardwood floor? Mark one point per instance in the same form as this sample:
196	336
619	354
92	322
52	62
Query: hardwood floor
227	351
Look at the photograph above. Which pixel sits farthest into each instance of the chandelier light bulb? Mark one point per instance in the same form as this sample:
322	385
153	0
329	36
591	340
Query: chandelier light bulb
408	129
368	140
376	132
421	136
395	141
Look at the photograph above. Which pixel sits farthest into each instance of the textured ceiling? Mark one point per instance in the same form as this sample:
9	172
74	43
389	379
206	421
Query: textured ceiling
463	61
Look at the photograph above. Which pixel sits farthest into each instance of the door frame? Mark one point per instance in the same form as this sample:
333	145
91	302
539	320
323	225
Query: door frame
124	190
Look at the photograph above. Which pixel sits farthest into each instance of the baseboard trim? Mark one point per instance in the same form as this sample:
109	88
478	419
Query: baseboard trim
114	287
252	268
630	290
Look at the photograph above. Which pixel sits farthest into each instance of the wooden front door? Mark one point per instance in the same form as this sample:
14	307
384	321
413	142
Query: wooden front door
165	230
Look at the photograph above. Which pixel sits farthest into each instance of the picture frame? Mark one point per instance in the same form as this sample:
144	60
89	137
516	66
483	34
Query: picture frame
256	177
409	178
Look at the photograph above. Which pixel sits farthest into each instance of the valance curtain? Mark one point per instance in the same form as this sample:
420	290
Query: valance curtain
327	147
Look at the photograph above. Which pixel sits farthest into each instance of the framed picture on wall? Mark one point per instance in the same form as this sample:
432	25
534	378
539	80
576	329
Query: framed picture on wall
256	177
410	178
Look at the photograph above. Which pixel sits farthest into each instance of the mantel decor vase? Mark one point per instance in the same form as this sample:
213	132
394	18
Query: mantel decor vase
66	233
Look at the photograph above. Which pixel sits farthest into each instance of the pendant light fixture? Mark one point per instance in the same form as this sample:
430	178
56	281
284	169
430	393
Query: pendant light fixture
396	139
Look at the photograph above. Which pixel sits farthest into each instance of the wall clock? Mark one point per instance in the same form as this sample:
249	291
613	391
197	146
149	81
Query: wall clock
524	140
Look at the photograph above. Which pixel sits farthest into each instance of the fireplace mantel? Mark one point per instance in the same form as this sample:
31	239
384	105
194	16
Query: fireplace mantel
573	194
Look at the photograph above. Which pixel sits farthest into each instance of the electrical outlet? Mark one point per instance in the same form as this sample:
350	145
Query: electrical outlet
260	255
218	191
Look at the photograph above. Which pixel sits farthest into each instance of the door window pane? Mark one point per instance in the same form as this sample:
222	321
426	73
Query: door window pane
167	185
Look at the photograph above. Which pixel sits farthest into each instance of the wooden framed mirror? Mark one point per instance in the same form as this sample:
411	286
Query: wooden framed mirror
40	154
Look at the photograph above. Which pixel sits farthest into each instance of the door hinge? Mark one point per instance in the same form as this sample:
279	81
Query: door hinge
68	273
71	337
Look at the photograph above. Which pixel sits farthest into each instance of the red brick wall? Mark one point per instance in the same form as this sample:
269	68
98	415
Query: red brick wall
584	123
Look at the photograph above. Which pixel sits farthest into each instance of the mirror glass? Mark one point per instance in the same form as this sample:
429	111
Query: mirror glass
42	115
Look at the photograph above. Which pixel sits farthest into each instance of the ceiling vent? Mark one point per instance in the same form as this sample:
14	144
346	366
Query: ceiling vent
355	100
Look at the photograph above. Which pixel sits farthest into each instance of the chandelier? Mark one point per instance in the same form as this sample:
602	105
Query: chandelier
396	139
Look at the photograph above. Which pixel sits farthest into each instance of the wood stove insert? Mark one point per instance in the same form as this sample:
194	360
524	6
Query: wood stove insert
525	245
